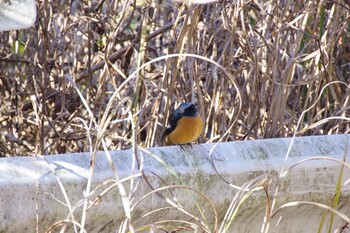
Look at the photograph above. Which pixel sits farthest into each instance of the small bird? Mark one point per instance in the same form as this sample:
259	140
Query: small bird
185	125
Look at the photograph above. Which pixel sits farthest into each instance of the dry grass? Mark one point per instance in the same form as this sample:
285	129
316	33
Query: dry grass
103	75
279	56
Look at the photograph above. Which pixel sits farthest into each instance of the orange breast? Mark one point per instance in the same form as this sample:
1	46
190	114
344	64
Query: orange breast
188	129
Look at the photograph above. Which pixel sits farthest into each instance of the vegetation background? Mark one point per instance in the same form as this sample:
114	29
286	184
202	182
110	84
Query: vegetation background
272	59
103	74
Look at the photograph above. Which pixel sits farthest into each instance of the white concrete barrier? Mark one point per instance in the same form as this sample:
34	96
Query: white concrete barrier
31	198
17	14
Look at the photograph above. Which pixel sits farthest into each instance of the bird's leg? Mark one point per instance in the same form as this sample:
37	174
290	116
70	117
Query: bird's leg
183	146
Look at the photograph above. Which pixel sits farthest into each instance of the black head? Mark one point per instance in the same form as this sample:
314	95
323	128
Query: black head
186	109
191	110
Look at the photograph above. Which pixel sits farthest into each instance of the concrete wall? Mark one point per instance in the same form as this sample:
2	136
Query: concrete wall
15	14
31	197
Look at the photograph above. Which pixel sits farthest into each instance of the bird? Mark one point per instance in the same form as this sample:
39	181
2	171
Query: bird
185	125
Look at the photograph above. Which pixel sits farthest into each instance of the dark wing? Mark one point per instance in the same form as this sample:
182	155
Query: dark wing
167	131
175	117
